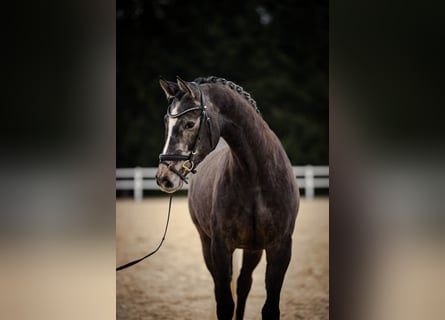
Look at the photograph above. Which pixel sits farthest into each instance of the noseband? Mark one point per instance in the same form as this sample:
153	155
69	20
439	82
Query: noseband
189	164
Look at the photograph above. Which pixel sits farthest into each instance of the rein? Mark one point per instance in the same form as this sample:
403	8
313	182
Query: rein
189	164
129	264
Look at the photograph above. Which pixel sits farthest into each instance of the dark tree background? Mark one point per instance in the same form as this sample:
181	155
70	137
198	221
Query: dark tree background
276	50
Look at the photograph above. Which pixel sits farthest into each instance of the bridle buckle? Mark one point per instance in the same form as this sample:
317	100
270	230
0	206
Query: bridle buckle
186	166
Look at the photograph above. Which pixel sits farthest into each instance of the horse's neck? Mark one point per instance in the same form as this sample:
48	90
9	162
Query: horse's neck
255	150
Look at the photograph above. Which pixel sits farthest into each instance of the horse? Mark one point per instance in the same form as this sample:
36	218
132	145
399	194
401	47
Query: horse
244	195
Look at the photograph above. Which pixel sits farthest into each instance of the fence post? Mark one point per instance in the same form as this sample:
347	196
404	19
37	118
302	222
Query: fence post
309	182
138	180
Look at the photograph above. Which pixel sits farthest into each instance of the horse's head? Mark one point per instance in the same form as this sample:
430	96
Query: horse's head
190	134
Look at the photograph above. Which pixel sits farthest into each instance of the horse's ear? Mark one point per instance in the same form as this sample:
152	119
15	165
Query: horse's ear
186	87
170	88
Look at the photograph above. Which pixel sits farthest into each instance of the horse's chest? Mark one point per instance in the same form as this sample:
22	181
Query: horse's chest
244	226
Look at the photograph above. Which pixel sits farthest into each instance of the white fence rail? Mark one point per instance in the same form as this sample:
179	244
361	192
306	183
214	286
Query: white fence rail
139	179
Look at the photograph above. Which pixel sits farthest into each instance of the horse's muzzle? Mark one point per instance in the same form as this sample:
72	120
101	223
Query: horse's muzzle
167	180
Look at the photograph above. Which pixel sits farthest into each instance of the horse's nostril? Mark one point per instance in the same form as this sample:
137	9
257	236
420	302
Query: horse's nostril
165	181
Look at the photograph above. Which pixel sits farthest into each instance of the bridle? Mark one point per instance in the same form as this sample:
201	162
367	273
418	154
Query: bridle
189	164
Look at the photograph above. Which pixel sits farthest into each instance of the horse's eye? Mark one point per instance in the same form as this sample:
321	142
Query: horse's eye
189	125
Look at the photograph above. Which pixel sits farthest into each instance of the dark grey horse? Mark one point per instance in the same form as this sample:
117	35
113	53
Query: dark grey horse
244	194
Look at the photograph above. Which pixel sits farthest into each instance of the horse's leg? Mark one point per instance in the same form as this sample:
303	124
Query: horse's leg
251	258
205	243
278	258
222	275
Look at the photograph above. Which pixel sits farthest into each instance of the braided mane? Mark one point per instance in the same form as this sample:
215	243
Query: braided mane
232	86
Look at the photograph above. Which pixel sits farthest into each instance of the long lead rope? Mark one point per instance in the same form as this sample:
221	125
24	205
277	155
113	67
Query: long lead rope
129	264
